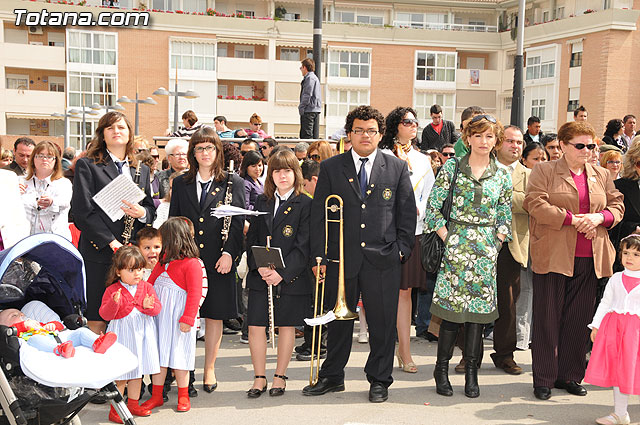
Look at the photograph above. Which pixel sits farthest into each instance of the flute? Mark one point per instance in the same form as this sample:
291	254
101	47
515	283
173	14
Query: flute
272	326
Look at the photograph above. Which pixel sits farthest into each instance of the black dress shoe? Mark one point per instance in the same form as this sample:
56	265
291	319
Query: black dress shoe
277	391
542	393
323	386
256	392
378	393
572	387
209	388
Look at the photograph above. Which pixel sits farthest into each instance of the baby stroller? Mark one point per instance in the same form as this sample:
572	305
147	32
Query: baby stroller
46	268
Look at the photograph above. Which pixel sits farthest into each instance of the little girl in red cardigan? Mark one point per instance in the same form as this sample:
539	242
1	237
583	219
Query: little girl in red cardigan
130	304
177	278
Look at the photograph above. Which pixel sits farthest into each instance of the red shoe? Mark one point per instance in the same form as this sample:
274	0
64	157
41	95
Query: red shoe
65	350
184	403
114	417
155	400
103	342
135	408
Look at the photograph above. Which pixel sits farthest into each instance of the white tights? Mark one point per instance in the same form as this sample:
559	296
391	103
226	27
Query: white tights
620	402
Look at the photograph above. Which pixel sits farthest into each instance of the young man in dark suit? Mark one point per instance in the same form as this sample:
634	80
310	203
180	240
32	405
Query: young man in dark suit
379	225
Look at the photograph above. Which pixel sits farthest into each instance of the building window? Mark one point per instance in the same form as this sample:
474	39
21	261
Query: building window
223	90
244	91
606	4
576	60
222	51
434	21
545	16
573	105
56	84
289	54
90	47
17	82
195	56
246	13
246	52
194	6
95	87
538	108
507	103
292	17
349	64
425	100
560	13
478	26
341	102
75	132
536	70
433	66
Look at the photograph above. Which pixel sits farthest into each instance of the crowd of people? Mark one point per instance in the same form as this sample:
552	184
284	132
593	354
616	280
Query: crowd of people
530	223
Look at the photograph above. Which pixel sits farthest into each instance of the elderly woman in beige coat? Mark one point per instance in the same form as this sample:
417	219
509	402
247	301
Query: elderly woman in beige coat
571	205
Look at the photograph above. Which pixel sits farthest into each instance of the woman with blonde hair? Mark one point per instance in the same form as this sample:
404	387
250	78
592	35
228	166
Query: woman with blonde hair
6	157
319	151
612	161
47	194
480	222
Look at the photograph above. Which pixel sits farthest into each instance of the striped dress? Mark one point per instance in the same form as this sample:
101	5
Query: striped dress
137	332
177	349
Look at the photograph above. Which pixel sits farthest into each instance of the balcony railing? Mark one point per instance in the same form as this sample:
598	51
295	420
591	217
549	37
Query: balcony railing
446	27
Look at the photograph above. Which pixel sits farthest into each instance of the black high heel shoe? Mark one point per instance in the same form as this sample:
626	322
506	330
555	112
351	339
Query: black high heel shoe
276	391
209	388
255	392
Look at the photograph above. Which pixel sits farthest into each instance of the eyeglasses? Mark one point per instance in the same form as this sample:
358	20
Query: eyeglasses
315	157
155	156
448	154
207	149
360	131
43	157
409	122
264	147
614	162
178	154
580	146
486	117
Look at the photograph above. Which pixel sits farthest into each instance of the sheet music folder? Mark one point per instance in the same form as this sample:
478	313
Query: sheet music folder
268	257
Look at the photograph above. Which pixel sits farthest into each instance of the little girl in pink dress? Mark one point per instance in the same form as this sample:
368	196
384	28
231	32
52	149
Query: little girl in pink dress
615	330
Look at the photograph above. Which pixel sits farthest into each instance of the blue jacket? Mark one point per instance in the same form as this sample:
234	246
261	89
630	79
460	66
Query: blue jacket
310	96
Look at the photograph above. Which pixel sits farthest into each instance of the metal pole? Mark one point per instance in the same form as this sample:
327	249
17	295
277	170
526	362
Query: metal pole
66	131
517	100
137	120
317	36
84	126
175	105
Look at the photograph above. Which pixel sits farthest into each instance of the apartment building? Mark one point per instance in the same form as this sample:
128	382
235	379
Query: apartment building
243	57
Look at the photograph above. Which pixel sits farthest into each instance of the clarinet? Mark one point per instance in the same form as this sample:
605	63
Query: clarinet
228	198
129	221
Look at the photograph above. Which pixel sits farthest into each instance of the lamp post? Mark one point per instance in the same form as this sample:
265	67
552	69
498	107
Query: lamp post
189	94
66	130
97	107
137	101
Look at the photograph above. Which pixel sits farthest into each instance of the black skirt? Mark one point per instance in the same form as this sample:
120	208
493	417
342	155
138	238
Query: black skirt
221	300
288	310
413	274
95	286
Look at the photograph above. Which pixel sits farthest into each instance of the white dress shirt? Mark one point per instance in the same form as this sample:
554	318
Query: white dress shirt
200	180
54	218
368	166
279	197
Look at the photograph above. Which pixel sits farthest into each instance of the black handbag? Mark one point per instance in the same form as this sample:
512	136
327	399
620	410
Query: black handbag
431	245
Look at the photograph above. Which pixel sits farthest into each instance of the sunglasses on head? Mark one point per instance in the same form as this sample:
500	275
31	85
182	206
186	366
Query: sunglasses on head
486	117
580	146
408	122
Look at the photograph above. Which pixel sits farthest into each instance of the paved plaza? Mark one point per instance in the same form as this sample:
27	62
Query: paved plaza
504	399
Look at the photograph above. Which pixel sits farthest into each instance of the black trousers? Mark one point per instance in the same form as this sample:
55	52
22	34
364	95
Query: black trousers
508	284
310	125
380	290
562	309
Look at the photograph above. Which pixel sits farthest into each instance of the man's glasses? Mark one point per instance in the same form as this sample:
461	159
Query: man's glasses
486	117
360	131
409	122
448	154
178	154
207	149
580	146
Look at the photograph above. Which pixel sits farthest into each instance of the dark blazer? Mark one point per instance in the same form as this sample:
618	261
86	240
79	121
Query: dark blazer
432	140
631	219
97	229
378	226
527	137
15	168
185	202
289	231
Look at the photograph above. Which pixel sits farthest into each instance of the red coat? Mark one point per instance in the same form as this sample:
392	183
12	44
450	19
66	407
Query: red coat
187	274
22	328
109	310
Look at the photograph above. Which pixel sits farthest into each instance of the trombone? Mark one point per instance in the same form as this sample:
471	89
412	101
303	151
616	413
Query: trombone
341	309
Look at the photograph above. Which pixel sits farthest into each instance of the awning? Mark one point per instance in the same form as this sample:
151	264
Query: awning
289	43
194	40
235	40
28	116
350	48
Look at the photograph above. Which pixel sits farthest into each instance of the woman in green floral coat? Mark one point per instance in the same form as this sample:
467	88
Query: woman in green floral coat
480	221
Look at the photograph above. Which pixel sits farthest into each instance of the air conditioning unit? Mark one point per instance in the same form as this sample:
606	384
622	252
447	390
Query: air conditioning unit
35	30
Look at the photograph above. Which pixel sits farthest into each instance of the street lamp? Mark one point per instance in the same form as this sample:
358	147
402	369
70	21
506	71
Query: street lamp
97	107
189	94
66	131
137	101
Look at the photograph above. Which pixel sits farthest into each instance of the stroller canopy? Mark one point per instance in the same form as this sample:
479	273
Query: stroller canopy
62	269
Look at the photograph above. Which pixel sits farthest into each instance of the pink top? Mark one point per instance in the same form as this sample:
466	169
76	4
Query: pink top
584	247
630	282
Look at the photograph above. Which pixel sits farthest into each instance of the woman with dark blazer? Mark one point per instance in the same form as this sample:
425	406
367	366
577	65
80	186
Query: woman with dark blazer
628	186
194	195
110	153
287	223
571	205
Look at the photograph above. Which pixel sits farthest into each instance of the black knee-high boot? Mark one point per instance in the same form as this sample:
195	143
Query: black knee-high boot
446	342
472	347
